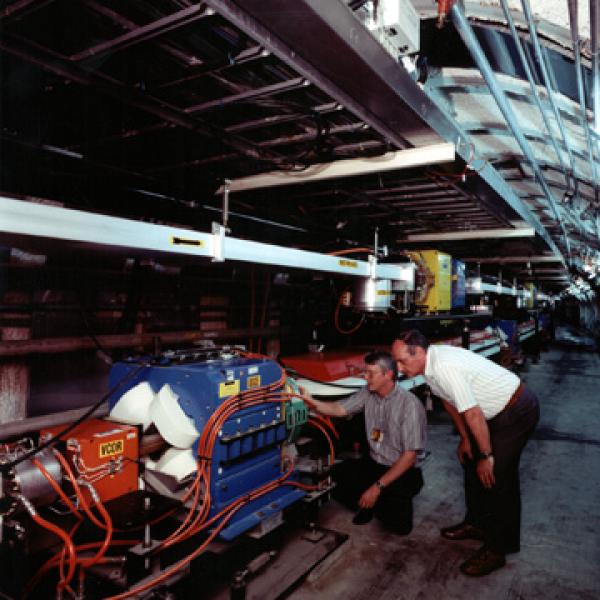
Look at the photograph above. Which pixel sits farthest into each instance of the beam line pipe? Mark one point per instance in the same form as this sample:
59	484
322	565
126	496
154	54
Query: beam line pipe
532	84
539	55
574	22
472	43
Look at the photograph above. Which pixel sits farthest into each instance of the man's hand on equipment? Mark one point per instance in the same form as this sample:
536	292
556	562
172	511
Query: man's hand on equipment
369	497
464	450
308	399
485	471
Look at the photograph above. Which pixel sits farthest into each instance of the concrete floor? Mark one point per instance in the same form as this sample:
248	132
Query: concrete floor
560	556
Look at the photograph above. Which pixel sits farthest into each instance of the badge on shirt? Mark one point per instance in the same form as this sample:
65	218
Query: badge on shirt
376	435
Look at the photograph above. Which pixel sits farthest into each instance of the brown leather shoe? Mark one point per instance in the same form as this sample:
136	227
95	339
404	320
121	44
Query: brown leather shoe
483	562
462	531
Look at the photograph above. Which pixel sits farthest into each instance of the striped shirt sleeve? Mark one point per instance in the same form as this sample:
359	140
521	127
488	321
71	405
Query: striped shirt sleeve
355	403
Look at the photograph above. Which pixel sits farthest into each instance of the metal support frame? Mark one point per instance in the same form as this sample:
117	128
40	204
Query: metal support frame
470	40
532	84
574	22
541	58
145	33
595	38
396	98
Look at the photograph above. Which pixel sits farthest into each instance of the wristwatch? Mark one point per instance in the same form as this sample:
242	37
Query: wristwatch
379	484
486	455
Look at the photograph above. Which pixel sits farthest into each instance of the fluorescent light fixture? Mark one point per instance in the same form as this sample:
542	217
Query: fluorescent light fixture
391	161
480	234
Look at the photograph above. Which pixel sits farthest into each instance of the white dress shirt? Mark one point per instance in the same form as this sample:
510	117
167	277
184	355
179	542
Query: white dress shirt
466	379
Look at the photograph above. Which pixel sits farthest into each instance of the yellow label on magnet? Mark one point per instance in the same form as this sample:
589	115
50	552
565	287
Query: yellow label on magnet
253	381
178	241
344	262
229	388
384	293
111	449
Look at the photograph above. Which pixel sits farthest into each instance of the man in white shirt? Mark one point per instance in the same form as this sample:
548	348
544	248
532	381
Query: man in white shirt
383	482
495	414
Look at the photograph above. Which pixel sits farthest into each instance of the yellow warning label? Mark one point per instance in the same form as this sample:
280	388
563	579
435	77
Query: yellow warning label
178	241
111	448
253	381
229	388
344	262
384	293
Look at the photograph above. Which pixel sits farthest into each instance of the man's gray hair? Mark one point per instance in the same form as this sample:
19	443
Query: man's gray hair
384	360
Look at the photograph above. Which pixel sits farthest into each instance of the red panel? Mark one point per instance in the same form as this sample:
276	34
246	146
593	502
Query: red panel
108	450
328	366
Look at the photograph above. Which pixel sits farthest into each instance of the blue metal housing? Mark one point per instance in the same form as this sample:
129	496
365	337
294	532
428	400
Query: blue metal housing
247	453
459	284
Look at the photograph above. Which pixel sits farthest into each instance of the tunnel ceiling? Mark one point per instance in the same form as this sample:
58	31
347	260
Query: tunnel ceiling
143	108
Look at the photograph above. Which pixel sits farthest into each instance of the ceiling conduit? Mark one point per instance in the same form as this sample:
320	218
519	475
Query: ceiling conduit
574	19
534	90
539	55
470	40
595	27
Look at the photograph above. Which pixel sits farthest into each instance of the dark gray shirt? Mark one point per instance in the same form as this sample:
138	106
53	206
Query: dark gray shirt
394	424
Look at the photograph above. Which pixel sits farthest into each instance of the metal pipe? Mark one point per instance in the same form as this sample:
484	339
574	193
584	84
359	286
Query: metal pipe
34	424
472	43
574	22
537	48
532	84
130	340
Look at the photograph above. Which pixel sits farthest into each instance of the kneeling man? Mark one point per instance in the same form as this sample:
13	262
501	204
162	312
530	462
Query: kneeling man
385	481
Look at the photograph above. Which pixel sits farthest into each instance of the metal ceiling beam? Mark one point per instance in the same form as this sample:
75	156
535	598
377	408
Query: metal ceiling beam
145	33
470	40
253	94
321	109
472	235
18	9
129	96
128	25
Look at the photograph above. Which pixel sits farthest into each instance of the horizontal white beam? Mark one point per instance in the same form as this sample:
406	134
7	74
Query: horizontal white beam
401	159
19	218
511	259
480	234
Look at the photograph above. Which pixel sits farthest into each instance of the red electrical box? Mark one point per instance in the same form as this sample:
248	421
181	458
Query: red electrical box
102	453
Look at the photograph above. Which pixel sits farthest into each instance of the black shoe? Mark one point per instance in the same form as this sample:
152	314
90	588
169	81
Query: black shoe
483	562
462	531
363	516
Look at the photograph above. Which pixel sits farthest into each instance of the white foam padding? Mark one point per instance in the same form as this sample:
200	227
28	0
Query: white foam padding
177	462
170	420
133	407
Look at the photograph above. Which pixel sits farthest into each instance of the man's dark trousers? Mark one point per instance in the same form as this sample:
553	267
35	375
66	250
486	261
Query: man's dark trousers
394	507
498	510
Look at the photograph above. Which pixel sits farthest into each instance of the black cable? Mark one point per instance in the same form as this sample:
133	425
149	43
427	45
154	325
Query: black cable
7	466
97	343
